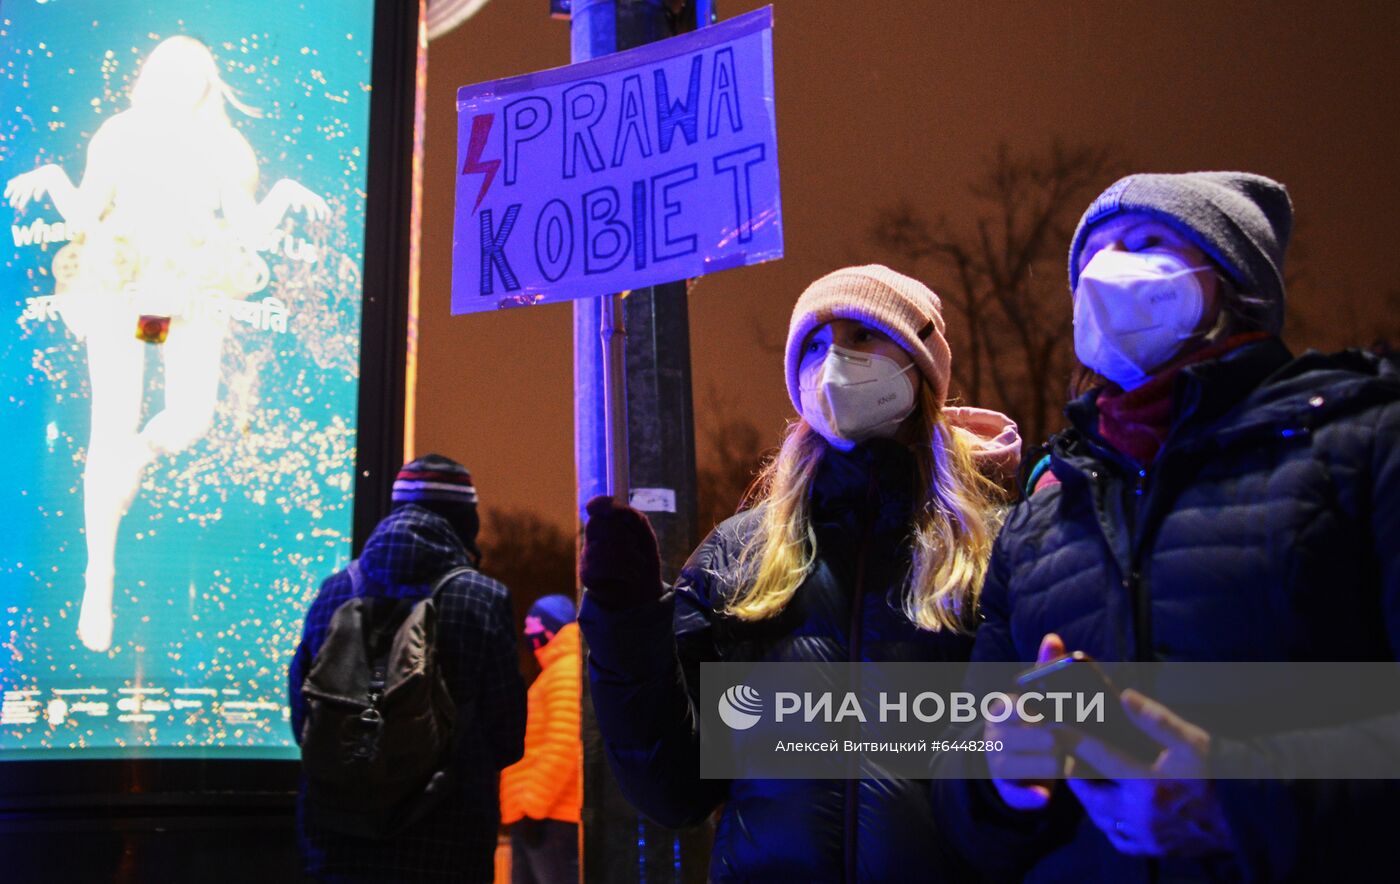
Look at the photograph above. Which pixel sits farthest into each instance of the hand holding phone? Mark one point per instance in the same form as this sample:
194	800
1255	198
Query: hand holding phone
1026	763
1080	675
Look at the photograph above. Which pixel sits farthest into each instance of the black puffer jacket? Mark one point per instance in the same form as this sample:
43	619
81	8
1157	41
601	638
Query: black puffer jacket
645	682
1268	529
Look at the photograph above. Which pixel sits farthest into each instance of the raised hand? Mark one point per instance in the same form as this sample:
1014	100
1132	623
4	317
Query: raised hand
297	197
621	564
22	189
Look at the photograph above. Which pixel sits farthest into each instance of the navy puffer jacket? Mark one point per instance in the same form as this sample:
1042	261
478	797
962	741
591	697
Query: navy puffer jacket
1267	529
644	671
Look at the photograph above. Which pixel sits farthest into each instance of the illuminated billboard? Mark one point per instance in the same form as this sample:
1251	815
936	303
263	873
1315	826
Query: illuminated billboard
180	309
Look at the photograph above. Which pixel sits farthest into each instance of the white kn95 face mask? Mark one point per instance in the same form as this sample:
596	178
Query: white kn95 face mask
857	396
1133	311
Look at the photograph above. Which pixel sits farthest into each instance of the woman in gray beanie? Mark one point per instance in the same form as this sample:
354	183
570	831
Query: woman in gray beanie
1202	502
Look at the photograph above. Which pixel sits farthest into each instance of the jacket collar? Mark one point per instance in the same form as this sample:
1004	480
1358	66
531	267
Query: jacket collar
1203	393
1260	388
874	479
564	644
1207	391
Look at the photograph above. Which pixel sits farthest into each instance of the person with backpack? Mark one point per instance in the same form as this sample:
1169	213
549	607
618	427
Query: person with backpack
406	696
542	793
1214	499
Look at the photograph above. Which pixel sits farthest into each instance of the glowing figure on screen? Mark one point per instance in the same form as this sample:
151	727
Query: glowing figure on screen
167	226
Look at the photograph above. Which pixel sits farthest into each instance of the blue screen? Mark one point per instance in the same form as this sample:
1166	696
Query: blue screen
180	334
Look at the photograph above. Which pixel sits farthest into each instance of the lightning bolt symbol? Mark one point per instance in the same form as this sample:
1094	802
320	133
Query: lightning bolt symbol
481	129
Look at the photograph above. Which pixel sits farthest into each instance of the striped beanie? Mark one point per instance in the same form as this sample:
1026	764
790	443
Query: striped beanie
434	479
900	306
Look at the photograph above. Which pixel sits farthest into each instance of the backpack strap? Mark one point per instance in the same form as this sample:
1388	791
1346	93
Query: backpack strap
356	579
1038	471
1035	462
447	578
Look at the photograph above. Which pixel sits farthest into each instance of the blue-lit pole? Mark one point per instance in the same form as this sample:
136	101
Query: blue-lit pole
600	378
633	426
601	450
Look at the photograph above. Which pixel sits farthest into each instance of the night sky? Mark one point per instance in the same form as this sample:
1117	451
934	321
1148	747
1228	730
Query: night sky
879	100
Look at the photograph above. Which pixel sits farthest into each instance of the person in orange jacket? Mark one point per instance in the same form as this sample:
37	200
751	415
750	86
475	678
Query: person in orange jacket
542	793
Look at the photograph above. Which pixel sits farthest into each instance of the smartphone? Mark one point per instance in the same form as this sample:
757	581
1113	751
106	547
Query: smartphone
1078	673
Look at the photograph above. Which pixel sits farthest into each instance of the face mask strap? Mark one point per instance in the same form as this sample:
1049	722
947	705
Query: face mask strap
1189	270
855	357
850	355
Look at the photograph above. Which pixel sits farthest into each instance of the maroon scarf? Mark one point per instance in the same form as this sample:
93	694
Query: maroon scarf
1135	422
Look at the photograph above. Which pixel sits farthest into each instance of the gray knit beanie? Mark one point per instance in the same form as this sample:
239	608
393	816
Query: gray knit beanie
1242	221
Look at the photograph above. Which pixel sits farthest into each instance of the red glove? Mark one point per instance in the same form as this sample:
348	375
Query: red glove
621	564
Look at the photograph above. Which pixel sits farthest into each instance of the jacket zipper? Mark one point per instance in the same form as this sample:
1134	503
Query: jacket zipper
1132	582
852	787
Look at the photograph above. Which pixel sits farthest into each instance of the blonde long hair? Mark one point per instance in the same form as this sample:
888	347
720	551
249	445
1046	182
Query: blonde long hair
955	520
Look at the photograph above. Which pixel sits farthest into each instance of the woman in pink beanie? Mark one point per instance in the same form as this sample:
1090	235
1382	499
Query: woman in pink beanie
864	540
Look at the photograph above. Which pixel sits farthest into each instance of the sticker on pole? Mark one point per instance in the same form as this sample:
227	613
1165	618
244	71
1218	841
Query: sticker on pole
651	165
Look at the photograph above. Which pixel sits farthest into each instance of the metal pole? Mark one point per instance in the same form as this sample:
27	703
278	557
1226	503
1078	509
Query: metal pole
633	430
592	33
612	335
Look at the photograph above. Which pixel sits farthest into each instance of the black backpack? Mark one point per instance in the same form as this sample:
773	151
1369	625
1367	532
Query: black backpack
377	743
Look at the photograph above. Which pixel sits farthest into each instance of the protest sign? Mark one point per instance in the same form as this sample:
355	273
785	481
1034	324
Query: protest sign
634	169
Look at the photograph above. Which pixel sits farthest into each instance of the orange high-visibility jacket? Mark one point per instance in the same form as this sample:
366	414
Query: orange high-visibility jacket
546	782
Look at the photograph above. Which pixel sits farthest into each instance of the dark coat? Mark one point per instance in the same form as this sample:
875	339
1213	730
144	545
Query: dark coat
644	671
407	553
1267	529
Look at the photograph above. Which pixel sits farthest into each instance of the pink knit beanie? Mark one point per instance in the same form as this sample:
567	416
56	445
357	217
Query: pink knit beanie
901	307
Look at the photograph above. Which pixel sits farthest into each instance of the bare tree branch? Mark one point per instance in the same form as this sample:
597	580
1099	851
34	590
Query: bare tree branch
1001	272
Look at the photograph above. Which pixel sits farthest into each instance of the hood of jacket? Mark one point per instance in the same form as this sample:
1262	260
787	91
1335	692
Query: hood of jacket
564	645
993	439
408	551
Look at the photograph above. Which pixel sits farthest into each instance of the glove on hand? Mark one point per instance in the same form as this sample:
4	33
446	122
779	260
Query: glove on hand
621	564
